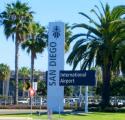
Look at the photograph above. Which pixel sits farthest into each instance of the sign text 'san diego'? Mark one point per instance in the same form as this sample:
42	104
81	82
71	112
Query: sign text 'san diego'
55	93
86	78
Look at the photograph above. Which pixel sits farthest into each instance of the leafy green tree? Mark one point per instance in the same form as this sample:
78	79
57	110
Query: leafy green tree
68	34
24	73
15	20
100	43
68	91
37	75
35	44
42	88
27	85
4	75
118	86
4	72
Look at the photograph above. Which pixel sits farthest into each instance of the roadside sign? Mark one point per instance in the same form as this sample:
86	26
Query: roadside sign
35	86
73	78
31	92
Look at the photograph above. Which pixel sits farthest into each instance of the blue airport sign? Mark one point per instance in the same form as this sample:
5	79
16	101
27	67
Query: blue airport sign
73	78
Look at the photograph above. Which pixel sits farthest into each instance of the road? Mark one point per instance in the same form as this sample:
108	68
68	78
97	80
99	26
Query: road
19	111
4	112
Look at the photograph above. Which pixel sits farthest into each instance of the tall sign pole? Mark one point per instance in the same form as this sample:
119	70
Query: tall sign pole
55	93
86	99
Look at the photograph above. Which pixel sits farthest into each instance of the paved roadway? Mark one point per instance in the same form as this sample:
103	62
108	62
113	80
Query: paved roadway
19	111
4	112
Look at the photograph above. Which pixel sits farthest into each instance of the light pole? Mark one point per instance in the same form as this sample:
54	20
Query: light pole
86	99
80	91
80	97
86	95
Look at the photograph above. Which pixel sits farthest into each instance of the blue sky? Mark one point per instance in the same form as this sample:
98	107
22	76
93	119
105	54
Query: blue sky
47	11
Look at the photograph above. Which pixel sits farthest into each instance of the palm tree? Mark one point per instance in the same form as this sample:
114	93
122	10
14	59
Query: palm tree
4	75
15	20
35	44
24	73
101	42
68	34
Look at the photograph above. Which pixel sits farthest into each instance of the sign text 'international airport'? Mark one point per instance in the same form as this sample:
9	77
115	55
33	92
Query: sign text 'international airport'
73	78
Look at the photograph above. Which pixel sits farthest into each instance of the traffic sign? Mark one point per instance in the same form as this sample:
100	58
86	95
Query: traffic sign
31	92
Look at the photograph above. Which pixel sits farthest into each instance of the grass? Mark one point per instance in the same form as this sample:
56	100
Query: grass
90	116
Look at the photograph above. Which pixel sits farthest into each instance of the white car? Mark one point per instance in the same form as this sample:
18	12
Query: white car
117	103
120	103
23	101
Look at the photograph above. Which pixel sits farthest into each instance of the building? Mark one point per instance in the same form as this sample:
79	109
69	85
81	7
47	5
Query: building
7	87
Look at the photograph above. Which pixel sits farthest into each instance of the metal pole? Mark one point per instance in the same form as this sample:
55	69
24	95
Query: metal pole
41	102
31	105
80	97
86	99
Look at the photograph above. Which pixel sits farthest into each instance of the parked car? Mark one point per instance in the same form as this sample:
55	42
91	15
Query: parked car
71	101
23	101
118	103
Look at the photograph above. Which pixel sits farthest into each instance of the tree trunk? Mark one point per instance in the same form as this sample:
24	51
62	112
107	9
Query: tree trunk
16	69
32	69
106	85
